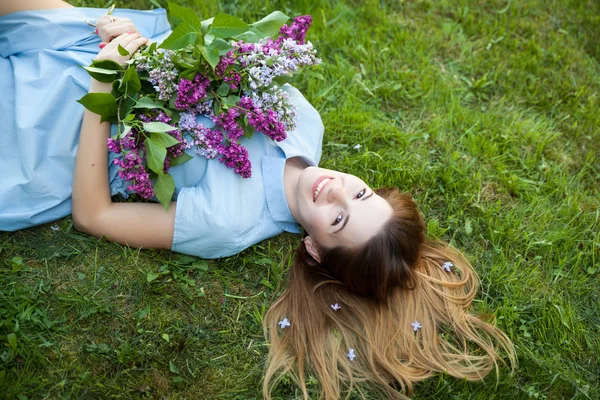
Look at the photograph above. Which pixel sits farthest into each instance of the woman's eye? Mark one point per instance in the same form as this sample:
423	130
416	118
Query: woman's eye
337	220
361	193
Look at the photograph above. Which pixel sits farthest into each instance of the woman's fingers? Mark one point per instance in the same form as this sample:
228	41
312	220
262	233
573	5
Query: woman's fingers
134	45
115	29
109	27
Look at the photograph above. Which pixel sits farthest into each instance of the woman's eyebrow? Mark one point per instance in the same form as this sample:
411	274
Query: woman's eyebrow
348	217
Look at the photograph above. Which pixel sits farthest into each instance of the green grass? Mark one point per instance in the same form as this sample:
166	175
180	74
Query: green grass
485	111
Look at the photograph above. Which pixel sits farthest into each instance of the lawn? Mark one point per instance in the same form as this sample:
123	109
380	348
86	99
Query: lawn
485	111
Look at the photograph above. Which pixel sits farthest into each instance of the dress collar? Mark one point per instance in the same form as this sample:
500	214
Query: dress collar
272	172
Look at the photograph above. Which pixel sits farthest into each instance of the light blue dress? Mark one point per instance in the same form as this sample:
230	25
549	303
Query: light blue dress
218	213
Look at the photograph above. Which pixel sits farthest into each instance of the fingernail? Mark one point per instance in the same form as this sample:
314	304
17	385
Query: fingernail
96	31
130	32
101	45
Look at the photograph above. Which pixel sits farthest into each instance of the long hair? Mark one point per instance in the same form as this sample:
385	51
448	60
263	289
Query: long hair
403	314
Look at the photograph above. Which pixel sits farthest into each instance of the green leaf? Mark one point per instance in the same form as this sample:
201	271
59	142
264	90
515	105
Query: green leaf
221	45
180	159
101	74
269	25
231	100
165	337
152	276
226	26
248	37
164	139
158	127
104	104
164	189
206	24
201	265
107	64
248	131
126	129
144	311
12	340
179	14
125	107
223	90
131	81
181	36
148	102
173	368
155	156
122	50
211	55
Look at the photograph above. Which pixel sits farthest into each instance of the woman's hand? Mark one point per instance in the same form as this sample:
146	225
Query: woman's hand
129	41
109	27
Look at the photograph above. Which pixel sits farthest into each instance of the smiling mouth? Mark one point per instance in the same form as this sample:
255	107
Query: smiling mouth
319	185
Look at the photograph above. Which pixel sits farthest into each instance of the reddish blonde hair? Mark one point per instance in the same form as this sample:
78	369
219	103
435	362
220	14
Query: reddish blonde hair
382	287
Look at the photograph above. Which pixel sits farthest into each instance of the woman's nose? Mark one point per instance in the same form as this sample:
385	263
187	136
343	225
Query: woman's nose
336	192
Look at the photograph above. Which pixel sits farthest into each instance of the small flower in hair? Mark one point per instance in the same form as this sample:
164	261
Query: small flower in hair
447	265
351	355
416	325
283	323
336	306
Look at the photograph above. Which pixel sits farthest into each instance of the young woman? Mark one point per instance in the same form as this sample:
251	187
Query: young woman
370	298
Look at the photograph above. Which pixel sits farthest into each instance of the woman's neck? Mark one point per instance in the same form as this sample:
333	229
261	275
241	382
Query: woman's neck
291	173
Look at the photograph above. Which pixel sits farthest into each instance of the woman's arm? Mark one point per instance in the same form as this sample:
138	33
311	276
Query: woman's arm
135	224
10	6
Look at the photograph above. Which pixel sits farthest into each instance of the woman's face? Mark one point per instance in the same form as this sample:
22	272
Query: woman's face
338	209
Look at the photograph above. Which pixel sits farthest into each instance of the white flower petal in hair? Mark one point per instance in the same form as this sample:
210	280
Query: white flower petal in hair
351	355
283	323
416	325
447	265
336	306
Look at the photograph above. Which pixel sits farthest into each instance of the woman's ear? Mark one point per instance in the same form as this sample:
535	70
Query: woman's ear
312	248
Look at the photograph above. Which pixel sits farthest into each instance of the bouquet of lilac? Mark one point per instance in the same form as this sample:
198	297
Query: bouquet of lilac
221	68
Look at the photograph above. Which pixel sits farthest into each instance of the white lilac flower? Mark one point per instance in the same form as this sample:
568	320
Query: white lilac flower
416	325
283	323
358	146
55	228
351	354
447	265
336	306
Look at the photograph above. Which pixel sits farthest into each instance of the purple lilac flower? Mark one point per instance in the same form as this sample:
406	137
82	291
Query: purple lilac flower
264	121
223	70
235	156
227	121
190	92
279	101
297	31
131	164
